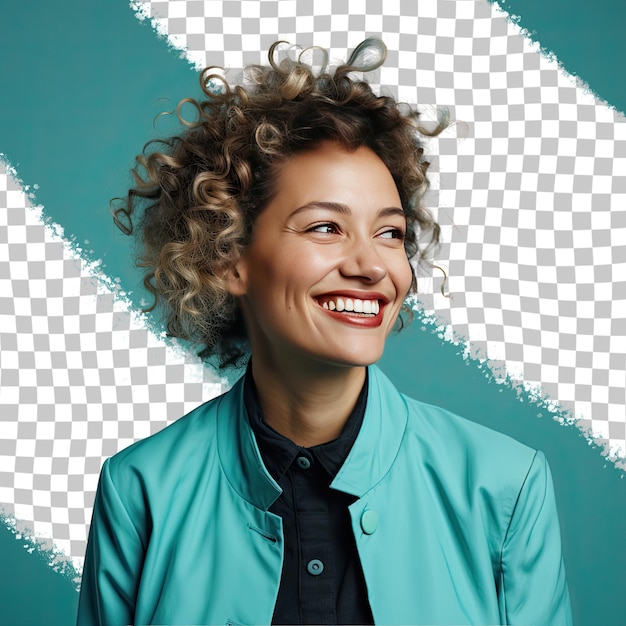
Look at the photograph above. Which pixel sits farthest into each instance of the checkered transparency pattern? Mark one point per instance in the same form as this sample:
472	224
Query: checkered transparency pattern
529	185
80	377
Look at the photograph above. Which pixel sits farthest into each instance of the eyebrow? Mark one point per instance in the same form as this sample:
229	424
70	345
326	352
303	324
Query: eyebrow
344	209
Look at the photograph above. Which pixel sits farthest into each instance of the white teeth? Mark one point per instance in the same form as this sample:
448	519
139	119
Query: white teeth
355	305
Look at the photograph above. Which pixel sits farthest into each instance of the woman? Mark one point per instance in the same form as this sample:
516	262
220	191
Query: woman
281	224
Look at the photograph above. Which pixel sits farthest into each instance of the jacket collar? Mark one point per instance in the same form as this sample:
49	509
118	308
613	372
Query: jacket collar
379	439
384	424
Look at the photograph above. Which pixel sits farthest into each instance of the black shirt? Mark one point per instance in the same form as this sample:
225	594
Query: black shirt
322	581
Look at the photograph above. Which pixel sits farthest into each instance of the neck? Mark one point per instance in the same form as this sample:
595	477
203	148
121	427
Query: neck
309	406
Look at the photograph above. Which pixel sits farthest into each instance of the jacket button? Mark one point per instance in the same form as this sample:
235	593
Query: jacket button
369	522
303	462
315	567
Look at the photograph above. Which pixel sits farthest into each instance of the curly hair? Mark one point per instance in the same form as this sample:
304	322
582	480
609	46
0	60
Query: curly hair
197	194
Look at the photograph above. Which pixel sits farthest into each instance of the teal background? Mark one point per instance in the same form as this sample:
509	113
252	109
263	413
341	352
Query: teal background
82	103
586	37
77	105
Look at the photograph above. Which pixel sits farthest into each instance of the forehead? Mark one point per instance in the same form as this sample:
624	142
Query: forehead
332	173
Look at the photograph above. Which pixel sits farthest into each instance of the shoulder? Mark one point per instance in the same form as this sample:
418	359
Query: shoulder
444	437
177	450
450	431
473	469
455	454
453	443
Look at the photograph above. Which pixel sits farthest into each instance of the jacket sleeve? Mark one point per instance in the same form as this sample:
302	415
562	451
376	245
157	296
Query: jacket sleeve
113	561
533	587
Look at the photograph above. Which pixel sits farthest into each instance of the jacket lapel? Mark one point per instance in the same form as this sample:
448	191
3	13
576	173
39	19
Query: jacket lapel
239	454
378	442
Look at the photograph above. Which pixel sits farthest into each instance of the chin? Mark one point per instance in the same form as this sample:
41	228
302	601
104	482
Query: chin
353	358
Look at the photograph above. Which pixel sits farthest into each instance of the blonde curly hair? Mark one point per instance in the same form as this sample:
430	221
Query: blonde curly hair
198	193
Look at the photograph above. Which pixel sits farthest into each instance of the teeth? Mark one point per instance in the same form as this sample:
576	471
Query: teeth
352	305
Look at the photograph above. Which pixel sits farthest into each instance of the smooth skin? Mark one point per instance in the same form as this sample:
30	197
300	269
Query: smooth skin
334	230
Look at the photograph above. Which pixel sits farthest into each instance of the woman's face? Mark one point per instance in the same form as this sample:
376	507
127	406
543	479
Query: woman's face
325	274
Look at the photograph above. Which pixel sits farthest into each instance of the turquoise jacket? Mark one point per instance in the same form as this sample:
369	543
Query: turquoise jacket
454	523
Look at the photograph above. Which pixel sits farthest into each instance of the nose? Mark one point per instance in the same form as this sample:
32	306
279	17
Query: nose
363	261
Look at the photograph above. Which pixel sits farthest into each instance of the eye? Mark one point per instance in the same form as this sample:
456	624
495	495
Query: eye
327	228
392	233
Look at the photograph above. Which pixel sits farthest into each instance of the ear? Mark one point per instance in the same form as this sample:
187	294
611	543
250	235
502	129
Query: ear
236	277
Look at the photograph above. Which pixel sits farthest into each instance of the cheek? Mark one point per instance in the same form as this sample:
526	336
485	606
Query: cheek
303	267
280	278
404	277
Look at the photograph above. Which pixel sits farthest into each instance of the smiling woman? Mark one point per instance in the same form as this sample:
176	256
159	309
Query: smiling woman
280	226
329	244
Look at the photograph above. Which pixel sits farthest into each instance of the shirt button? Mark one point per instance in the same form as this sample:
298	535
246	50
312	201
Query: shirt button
315	567
303	462
369	522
